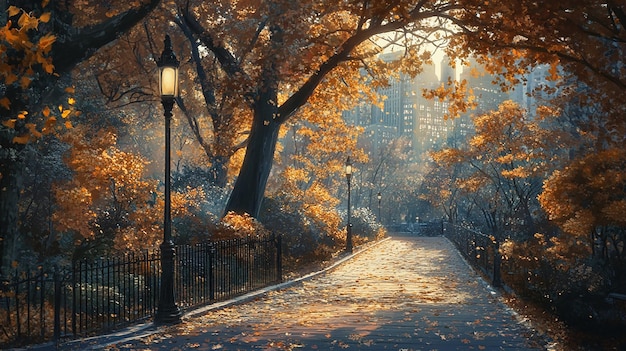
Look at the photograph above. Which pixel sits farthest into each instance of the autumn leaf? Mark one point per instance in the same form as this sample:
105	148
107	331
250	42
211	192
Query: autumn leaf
33	130
6	103
50	122
27	22
22	139
25	82
13	10
10	78
45	17
49	68
9	123
45	43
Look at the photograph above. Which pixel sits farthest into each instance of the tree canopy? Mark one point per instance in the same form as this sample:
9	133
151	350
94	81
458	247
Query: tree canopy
251	68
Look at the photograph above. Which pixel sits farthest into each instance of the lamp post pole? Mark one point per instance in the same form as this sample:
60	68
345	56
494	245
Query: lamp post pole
380	196
167	310
349	225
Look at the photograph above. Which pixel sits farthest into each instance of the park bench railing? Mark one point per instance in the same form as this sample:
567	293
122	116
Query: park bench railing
96	296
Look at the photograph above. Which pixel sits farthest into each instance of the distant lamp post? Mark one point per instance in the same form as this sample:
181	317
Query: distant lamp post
349	225
167	311
379	196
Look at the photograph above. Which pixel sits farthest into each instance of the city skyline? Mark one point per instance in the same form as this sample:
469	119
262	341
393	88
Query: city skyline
407	113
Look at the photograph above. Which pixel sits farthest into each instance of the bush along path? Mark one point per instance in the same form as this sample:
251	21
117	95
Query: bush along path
404	294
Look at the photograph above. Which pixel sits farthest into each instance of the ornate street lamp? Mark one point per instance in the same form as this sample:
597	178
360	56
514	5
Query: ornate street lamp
167	310
349	225
380	196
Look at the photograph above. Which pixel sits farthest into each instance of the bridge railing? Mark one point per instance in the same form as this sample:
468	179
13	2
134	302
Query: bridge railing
95	296
480	250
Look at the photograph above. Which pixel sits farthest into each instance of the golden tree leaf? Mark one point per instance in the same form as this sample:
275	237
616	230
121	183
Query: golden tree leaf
13	10
50	122
6	103
10	78
45	43
32	128
45	18
22	139
27	22
9	123
48	67
25	82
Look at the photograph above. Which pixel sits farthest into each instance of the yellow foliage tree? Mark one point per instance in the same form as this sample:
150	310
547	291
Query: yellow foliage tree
587	199
109	203
33	58
504	164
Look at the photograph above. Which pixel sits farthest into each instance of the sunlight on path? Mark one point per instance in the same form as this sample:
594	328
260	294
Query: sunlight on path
404	294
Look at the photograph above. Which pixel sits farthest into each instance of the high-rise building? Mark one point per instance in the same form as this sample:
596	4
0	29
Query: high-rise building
397	97
488	97
430	126
530	93
407	113
360	115
414	117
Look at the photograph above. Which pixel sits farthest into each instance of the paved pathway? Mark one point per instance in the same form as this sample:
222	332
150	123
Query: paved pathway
402	294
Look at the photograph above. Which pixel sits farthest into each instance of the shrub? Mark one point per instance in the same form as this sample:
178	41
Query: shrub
303	241
365	226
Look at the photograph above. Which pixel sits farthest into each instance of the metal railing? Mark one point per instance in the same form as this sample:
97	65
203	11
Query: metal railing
480	250
94	297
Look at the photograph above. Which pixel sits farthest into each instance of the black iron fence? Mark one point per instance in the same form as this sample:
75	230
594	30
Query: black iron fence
480	250
96	296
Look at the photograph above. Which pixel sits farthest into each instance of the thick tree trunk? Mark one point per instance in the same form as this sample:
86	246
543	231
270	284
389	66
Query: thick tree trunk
247	194
249	189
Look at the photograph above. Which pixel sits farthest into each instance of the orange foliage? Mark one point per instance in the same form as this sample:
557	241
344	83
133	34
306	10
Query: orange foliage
23	52
235	225
107	182
584	199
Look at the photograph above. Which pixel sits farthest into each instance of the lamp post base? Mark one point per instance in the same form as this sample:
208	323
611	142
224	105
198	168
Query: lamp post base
167	310
168	315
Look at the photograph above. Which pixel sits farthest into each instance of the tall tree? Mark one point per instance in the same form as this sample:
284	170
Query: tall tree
40	44
283	51
507	160
587	201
